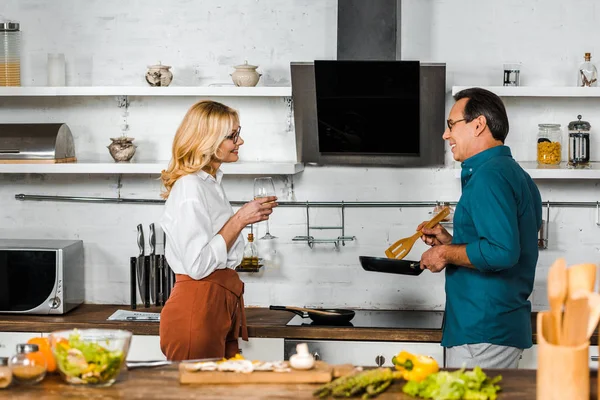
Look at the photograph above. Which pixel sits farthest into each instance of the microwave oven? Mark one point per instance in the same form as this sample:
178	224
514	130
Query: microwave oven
41	276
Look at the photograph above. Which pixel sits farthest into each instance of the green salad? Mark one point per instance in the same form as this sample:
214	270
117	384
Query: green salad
455	385
86	362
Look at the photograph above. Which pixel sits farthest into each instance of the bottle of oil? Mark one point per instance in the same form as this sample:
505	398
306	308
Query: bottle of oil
250	260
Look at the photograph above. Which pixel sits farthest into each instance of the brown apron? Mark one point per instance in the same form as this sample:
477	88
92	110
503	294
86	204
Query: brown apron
202	318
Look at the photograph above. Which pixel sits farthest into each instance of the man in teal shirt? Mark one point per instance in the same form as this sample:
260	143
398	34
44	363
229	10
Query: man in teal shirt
490	261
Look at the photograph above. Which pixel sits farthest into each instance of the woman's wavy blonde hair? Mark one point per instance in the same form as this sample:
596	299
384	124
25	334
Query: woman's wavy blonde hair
197	141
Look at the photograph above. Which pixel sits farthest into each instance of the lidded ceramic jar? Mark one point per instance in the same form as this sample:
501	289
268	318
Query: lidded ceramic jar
122	148
159	75
245	75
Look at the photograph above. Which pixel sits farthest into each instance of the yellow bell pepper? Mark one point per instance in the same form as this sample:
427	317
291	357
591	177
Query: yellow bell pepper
415	367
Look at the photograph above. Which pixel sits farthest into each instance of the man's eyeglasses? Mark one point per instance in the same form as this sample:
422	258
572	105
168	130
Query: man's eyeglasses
235	135
451	123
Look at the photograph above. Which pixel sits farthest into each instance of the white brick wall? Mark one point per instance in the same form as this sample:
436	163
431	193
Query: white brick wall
119	39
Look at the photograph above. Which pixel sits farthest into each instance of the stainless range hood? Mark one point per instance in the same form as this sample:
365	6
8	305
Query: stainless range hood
369	107
368	30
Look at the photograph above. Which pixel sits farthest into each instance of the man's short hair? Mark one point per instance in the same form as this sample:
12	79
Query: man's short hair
483	102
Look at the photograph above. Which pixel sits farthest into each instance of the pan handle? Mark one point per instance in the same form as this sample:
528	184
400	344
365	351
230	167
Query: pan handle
284	308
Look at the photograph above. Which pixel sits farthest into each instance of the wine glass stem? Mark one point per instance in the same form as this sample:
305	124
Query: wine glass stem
267	221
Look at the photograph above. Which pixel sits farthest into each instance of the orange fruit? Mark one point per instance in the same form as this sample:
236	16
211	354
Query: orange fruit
44	354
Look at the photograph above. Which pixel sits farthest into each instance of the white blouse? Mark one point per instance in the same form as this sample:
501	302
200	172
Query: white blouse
195	212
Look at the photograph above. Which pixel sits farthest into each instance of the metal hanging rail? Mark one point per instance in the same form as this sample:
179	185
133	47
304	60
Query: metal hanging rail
325	204
343	237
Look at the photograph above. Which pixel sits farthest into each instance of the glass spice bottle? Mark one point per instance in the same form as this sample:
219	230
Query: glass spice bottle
549	144
587	74
28	366
250	260
5	373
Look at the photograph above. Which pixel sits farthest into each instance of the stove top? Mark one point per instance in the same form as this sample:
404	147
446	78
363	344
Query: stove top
395	319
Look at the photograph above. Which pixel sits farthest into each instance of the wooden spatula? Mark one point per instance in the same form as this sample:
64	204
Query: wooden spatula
582	277
557	292
575	325
594	304
402	247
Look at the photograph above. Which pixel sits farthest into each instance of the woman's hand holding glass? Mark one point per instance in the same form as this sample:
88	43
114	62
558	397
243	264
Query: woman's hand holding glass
257	210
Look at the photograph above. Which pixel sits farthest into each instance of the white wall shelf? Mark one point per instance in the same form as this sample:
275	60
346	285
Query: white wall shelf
539	91
558	172
200	91
83	167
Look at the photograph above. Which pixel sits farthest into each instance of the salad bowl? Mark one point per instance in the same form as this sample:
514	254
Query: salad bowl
92	357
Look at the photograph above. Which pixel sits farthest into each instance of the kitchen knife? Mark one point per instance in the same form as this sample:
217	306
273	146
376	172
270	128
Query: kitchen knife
132	282
140	263
153	280
146	281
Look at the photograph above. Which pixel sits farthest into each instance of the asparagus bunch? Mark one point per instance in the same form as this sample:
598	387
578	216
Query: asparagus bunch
368	383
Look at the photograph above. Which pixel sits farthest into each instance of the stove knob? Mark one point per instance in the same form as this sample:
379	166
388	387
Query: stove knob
316	356
54	303
379	360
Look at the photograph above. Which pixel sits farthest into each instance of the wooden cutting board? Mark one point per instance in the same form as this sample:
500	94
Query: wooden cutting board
321	373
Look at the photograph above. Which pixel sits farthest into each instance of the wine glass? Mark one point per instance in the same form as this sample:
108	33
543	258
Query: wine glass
264	187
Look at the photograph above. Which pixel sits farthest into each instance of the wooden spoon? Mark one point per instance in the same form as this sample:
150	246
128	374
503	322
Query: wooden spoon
402	247
594	305
581	277
575	325
557	292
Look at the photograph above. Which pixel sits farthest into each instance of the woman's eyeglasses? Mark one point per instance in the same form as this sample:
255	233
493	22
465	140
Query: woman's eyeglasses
235	135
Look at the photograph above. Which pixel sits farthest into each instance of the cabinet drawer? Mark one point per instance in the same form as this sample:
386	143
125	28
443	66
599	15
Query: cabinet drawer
368	354
145	348
264	349
10	340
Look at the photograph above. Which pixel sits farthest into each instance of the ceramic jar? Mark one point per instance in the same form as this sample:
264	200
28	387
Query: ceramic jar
159	75
245	75
122	148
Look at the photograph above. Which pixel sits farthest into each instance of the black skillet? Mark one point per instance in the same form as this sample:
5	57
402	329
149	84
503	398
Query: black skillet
390	265
334	316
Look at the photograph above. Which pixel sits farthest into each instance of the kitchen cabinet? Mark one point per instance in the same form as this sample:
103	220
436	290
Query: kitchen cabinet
147	348
368	354
266	349
529	358
10	340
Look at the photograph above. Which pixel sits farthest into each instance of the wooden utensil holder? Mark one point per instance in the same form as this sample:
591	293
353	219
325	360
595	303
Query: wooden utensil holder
563	372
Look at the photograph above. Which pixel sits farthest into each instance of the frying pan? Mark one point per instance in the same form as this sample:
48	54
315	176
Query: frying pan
335	316
390	265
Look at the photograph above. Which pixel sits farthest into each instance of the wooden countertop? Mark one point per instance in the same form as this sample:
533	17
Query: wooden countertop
262	323
162	383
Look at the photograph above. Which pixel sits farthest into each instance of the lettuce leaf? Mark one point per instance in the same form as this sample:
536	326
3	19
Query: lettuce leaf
456	385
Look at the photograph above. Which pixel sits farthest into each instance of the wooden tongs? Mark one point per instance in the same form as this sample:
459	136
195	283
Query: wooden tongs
402	247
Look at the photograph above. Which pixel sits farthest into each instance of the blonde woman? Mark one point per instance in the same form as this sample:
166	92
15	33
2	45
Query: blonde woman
203	316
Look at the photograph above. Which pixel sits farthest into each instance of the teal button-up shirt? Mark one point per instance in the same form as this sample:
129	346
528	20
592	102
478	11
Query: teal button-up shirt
498	217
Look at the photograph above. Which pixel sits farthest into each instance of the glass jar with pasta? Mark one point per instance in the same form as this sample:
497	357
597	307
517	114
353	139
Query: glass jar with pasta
549	144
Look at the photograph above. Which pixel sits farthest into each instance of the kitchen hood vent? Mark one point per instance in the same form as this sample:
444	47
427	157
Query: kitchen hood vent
368	30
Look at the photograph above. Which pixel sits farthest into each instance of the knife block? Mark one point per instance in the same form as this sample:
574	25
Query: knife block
563	371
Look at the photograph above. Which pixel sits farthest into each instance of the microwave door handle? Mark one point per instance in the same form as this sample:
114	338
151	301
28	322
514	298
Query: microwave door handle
9	151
